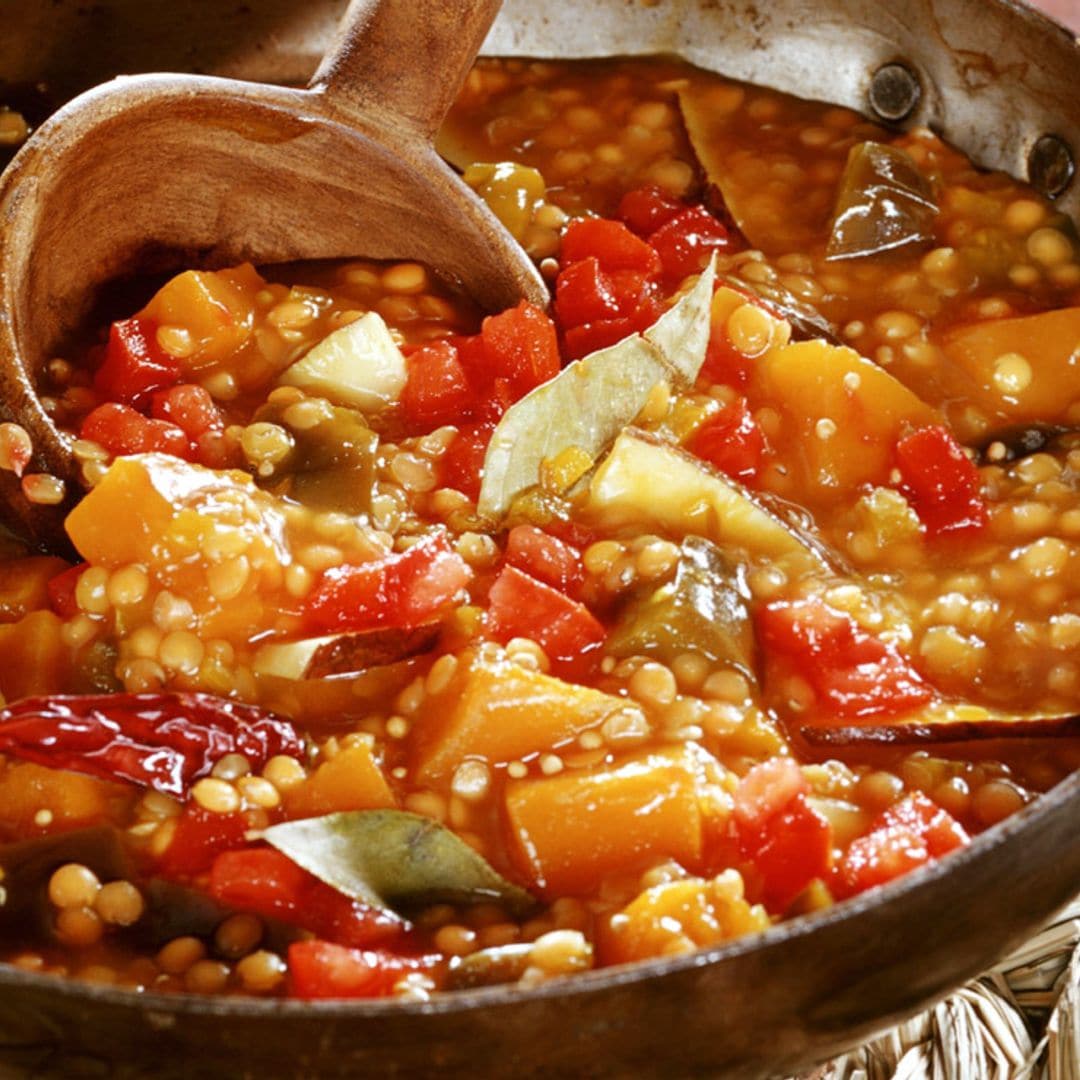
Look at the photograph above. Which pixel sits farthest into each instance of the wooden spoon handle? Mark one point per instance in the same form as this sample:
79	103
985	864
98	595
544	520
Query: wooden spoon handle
402	60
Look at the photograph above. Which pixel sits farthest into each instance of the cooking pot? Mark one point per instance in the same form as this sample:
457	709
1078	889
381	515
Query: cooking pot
997	80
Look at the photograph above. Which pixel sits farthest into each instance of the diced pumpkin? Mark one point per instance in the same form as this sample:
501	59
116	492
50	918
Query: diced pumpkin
572	830
217	309
149	504
36	799
679	917
690	499
840	416
350	780
34	660
1024	369
24	585
498	711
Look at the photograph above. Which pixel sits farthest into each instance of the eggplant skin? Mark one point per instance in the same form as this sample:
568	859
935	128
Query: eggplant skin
943	731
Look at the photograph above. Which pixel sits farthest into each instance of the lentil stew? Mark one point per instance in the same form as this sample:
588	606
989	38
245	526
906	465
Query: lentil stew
411	649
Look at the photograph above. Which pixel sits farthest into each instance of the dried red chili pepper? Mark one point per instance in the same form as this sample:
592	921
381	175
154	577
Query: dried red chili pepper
163	741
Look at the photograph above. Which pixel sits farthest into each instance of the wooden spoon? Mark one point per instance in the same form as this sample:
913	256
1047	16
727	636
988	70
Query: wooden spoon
152	172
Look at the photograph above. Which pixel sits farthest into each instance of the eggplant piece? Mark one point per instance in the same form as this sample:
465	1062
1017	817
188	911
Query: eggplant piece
331	465
1013	443
174	910
489	967
343	654
885	204
703	610
922	732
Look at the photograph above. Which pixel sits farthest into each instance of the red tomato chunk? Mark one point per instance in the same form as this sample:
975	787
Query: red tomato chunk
941	483
321	969
905	837
270	884
731	441
853	673
547	558
401	591
521	606
134	365
122	430
613	245
789	843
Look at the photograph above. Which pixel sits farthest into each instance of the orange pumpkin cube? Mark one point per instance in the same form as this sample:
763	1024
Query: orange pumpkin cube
499	711
571	830
350	780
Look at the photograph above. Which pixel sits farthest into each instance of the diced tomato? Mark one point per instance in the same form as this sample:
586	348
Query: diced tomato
685	243
633	293
268	883
907	835
788	841
122	430
258	879
941	831
499	397
321	969
521	346
199	837
401	590
852	672
134	365
437	390
61	590
645	209
189	407
461	466
582	340
583	294
473	358
765	790
546	558
521	606
731	441
613	244
941	483
724	363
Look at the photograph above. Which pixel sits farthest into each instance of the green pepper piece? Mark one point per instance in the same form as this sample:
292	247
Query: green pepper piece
702	610
884	204
332	465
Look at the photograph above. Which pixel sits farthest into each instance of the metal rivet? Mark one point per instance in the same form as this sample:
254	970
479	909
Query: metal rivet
1050	166
894	92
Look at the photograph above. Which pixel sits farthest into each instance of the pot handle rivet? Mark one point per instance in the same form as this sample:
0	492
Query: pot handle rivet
1050	166
894	92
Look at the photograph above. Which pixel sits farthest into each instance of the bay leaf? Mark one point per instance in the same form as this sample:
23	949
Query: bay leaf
682	332
394	860
591	400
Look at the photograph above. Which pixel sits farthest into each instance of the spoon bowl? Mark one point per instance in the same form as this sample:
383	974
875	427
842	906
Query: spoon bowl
152	172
